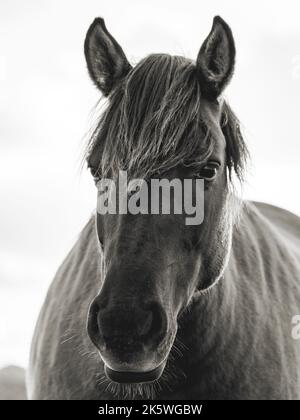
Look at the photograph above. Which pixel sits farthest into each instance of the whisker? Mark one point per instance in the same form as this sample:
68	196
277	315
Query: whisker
68	339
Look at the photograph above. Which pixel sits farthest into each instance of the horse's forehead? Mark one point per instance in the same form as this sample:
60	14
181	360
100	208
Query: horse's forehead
211	115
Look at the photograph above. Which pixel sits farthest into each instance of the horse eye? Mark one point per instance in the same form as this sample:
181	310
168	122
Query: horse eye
209	171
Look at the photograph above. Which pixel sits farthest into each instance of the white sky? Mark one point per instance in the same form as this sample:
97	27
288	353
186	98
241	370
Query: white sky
46	100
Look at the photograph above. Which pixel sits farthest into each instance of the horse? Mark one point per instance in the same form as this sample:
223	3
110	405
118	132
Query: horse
145	306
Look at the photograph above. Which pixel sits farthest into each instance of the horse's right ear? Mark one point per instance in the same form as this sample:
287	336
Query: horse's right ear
106	61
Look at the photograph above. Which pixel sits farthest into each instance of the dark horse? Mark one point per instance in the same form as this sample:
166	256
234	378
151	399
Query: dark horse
145	306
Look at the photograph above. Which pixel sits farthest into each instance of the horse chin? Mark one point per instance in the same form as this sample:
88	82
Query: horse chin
130	377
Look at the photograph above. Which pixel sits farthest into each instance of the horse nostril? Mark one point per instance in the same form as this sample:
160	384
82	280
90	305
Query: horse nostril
146	325
94	325
155	327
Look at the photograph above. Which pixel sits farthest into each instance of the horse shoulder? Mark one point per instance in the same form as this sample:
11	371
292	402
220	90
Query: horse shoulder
265	268
285	221
60	340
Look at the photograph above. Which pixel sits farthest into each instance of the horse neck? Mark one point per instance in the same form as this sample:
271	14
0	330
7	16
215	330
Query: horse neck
209	323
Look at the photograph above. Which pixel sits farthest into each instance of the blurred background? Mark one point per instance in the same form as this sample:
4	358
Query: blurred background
46	103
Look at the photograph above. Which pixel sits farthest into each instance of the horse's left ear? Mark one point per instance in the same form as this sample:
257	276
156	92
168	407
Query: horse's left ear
106	61
216	58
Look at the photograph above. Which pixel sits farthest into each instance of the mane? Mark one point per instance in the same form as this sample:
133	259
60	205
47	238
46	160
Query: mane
153	123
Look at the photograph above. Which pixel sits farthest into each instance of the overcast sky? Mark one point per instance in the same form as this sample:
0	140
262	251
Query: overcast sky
46	100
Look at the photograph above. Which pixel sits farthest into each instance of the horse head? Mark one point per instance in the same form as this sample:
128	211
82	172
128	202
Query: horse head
165	119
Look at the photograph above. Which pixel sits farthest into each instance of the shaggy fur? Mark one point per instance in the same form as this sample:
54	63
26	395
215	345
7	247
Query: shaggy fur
153	124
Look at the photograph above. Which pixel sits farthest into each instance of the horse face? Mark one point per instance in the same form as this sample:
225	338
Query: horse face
152	267
153	264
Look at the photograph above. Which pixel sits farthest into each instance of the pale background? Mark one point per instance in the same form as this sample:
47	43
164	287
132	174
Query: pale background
46	100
